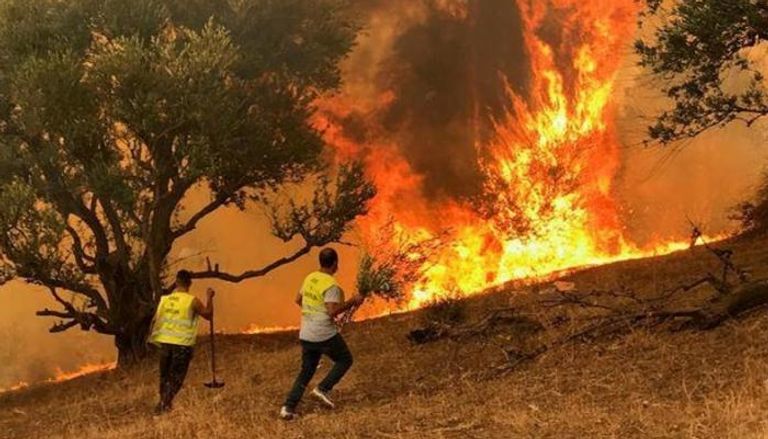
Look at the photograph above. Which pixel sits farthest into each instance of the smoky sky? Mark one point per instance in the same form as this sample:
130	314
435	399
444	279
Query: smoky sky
449	77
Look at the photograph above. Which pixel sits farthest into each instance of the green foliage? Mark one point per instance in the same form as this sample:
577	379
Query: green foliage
395	264
328	216
698	45
753	214
37	228
377	279
391	268
111	112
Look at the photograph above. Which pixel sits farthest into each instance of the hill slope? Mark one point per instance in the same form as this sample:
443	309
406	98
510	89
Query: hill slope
646	383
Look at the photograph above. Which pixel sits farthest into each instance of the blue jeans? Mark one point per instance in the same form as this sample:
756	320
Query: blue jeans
336	349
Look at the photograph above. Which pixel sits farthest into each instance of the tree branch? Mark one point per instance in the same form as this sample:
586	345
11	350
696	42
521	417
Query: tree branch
79	252
190	225
68	306
62	326
215	273
86	320
51	313
97	301
117	229
61	195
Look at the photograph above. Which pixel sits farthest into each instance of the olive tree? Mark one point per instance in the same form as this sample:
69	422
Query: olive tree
696	46
113	112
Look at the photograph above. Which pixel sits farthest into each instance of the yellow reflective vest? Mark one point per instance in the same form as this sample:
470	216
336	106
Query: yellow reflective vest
175	320
312	298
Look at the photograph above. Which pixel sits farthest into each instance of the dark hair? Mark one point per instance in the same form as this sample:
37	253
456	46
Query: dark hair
183	278
328	258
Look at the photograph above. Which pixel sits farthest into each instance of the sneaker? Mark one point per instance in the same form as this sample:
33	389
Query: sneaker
287	414
323	397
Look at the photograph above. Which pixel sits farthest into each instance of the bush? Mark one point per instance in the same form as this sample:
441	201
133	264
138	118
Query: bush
753	215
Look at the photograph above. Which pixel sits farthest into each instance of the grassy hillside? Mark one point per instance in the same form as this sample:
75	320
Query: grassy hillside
645	383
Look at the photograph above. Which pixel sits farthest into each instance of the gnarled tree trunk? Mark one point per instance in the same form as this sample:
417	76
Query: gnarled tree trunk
132	345
132	312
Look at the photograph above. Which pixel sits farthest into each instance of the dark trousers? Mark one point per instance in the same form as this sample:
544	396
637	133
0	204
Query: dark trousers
337	350
174	363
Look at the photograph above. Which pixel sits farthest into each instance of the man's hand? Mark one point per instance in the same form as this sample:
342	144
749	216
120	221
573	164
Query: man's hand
357	300
336	309
207	310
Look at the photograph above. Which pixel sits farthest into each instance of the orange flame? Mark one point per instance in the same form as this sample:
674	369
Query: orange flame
82	371
61	375
20	386
256	329
548	201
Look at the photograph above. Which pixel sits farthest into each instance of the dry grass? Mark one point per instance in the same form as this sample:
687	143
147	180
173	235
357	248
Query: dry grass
645	384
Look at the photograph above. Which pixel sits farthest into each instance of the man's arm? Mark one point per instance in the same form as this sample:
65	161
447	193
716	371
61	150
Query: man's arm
205	311
154	322
336	308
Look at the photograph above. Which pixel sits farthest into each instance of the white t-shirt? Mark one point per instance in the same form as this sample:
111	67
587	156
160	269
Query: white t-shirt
317	328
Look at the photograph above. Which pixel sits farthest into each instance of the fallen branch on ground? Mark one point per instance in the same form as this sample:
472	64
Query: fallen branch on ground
598	314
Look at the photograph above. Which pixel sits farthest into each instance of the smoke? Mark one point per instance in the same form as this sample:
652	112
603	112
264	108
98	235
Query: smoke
435	83
28	353
446	73
663	189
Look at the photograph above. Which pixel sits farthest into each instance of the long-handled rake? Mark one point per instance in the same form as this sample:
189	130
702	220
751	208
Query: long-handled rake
213	384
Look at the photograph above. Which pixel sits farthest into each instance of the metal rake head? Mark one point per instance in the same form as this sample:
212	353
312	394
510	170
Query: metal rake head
214	384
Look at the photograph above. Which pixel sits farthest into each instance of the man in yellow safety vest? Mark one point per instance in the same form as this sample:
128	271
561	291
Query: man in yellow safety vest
321	301
175	332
